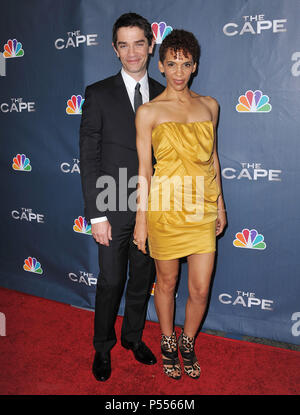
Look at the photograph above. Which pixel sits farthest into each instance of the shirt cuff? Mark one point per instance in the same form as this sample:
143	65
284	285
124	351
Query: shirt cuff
97	220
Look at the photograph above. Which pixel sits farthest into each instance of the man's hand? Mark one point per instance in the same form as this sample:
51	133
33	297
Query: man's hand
101	232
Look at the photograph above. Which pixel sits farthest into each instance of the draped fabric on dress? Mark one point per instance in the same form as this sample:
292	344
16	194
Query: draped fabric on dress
182	204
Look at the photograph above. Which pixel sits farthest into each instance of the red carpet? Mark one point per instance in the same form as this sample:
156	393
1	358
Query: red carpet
48	350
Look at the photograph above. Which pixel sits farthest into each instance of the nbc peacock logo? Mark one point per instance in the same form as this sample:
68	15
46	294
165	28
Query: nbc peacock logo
13	49
21	163
160	31
250	239
81	226
31	264
253	101
74	105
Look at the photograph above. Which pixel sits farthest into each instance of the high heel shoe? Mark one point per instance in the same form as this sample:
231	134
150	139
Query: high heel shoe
190	363
169	350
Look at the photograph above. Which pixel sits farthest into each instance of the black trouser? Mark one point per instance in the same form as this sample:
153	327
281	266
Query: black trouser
113	263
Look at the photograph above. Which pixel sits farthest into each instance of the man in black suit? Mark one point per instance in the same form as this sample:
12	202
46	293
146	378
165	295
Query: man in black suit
108	150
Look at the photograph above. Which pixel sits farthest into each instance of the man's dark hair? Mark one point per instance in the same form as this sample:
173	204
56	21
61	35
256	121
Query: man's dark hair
180	40
130	20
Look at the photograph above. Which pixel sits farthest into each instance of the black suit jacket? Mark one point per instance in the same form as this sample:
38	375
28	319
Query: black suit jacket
108	139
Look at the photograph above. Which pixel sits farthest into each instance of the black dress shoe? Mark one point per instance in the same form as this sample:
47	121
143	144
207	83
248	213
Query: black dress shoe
141	352
102	366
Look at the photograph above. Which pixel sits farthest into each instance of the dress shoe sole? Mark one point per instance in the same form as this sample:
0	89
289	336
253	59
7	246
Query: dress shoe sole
146	363
101	369
101	379
141	361
125	346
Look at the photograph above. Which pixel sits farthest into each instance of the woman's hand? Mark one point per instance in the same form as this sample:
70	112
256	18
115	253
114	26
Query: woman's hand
221	222
140	235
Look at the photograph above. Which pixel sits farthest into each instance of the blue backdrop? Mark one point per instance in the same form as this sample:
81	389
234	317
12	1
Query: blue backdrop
250	62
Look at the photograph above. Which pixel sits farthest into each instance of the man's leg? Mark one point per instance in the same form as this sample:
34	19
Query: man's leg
141	278
113	262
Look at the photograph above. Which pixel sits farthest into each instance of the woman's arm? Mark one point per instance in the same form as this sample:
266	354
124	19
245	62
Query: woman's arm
143	122
221	218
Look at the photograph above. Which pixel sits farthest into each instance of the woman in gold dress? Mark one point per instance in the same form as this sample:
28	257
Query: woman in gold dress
184	211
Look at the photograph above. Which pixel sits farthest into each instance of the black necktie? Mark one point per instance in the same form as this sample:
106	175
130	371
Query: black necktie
138	100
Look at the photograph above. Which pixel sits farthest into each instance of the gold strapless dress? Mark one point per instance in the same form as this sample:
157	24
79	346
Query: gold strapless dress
182	203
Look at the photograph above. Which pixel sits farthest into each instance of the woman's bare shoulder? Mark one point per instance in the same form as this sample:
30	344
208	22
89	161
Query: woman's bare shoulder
205	99
151	109
147	113
145	110
209	101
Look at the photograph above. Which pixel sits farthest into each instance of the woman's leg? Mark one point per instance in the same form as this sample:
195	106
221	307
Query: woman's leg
166	279
200	267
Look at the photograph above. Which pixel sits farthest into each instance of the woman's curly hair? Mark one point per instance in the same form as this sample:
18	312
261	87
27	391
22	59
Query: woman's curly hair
180	40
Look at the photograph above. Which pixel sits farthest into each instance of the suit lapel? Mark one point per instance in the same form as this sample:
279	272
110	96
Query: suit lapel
151	89
122	96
